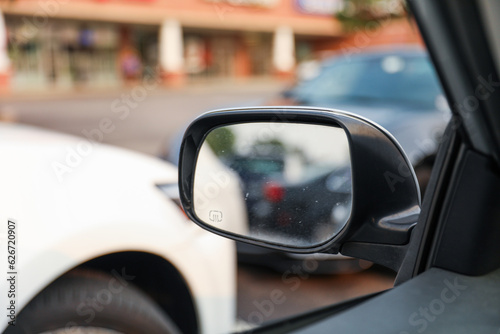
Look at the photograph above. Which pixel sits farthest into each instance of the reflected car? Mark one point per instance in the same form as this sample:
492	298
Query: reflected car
262	183
276	203
324	198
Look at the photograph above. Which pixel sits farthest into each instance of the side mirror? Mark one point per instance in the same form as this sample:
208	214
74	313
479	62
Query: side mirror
303	180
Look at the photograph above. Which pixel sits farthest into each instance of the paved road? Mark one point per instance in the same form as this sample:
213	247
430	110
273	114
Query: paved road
145	120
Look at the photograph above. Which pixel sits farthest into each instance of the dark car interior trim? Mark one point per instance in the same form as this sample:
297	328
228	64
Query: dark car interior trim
462	66
467	239
437	301
463	60
418	252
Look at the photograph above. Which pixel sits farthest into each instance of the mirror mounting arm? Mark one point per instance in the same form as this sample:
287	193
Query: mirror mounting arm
390	256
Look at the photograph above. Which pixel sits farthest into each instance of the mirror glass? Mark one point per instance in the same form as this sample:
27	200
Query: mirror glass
285	183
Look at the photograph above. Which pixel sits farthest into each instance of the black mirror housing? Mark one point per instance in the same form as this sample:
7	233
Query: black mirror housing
385	191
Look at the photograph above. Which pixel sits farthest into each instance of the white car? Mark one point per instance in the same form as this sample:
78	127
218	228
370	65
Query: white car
89	240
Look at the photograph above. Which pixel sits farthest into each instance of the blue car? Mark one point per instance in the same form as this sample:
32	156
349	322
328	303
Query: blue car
397	87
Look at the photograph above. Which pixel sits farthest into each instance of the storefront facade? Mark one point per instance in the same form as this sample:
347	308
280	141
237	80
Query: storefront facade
72	43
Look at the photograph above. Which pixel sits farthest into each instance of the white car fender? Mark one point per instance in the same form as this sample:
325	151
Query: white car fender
71	209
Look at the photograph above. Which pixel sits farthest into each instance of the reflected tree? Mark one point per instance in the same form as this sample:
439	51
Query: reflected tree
221	141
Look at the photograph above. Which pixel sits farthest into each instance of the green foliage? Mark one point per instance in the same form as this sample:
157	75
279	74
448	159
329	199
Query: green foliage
357	14
221	141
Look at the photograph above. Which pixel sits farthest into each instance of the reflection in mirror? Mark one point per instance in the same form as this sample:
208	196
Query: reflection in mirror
285	183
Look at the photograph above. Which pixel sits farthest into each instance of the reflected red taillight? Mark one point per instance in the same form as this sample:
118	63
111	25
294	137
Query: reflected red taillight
274	192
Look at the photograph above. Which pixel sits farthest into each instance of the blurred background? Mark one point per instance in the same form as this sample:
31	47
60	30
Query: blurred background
153	65
92	44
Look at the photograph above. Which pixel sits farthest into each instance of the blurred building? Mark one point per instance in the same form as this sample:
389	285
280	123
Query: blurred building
71	43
